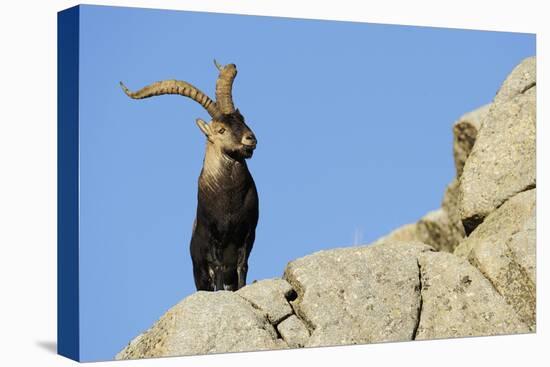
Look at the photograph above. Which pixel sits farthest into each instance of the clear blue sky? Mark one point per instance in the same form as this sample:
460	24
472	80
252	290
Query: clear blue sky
354	127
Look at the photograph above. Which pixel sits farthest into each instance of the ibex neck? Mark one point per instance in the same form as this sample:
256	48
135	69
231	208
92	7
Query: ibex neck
221	171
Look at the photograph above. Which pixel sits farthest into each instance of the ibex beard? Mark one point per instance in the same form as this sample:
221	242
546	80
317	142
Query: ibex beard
227	210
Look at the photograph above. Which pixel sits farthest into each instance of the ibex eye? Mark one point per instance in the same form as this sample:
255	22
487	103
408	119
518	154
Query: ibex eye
221	131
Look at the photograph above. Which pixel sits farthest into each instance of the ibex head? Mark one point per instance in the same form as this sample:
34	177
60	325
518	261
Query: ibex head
227	131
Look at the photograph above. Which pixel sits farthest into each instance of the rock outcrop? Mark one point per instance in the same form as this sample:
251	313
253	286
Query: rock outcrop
394	291
494	150
502	161
465	134
503	248
457	300
206	322
408	232
358	295
436	229
465	269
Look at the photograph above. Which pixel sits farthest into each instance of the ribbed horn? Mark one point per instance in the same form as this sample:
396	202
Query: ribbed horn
224	86
176	87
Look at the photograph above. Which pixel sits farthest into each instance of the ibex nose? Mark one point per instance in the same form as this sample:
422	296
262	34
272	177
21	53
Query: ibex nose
249	139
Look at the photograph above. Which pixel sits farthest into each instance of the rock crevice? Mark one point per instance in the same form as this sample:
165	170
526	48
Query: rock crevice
420	301
274	297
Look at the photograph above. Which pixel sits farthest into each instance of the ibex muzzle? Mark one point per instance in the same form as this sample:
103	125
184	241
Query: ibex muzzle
227	211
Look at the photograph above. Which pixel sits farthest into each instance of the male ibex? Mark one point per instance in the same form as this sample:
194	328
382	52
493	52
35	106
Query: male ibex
227	210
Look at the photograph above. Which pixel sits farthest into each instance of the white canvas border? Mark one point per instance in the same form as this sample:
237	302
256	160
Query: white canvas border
28	185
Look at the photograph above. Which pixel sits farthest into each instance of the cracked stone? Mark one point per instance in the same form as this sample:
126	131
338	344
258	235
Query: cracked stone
359	294
293	331
270	296
503	247
502	161
458	301
205	322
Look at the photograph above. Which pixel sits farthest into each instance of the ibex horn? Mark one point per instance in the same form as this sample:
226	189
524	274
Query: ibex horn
176	87
224	85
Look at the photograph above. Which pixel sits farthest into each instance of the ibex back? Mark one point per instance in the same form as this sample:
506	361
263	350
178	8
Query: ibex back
227	211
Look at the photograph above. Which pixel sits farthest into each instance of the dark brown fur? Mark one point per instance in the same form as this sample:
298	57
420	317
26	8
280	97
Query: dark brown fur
227	214
227	210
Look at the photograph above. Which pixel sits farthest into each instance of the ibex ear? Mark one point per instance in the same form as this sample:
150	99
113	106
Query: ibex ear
205	128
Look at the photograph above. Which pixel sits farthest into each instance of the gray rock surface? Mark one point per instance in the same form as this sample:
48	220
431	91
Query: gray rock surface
206	322
436	230
502	161
359	294
269	296
394	291
522	77
464	135
450	205
503	248
523	245
457	300
293	331
441	228
405	233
